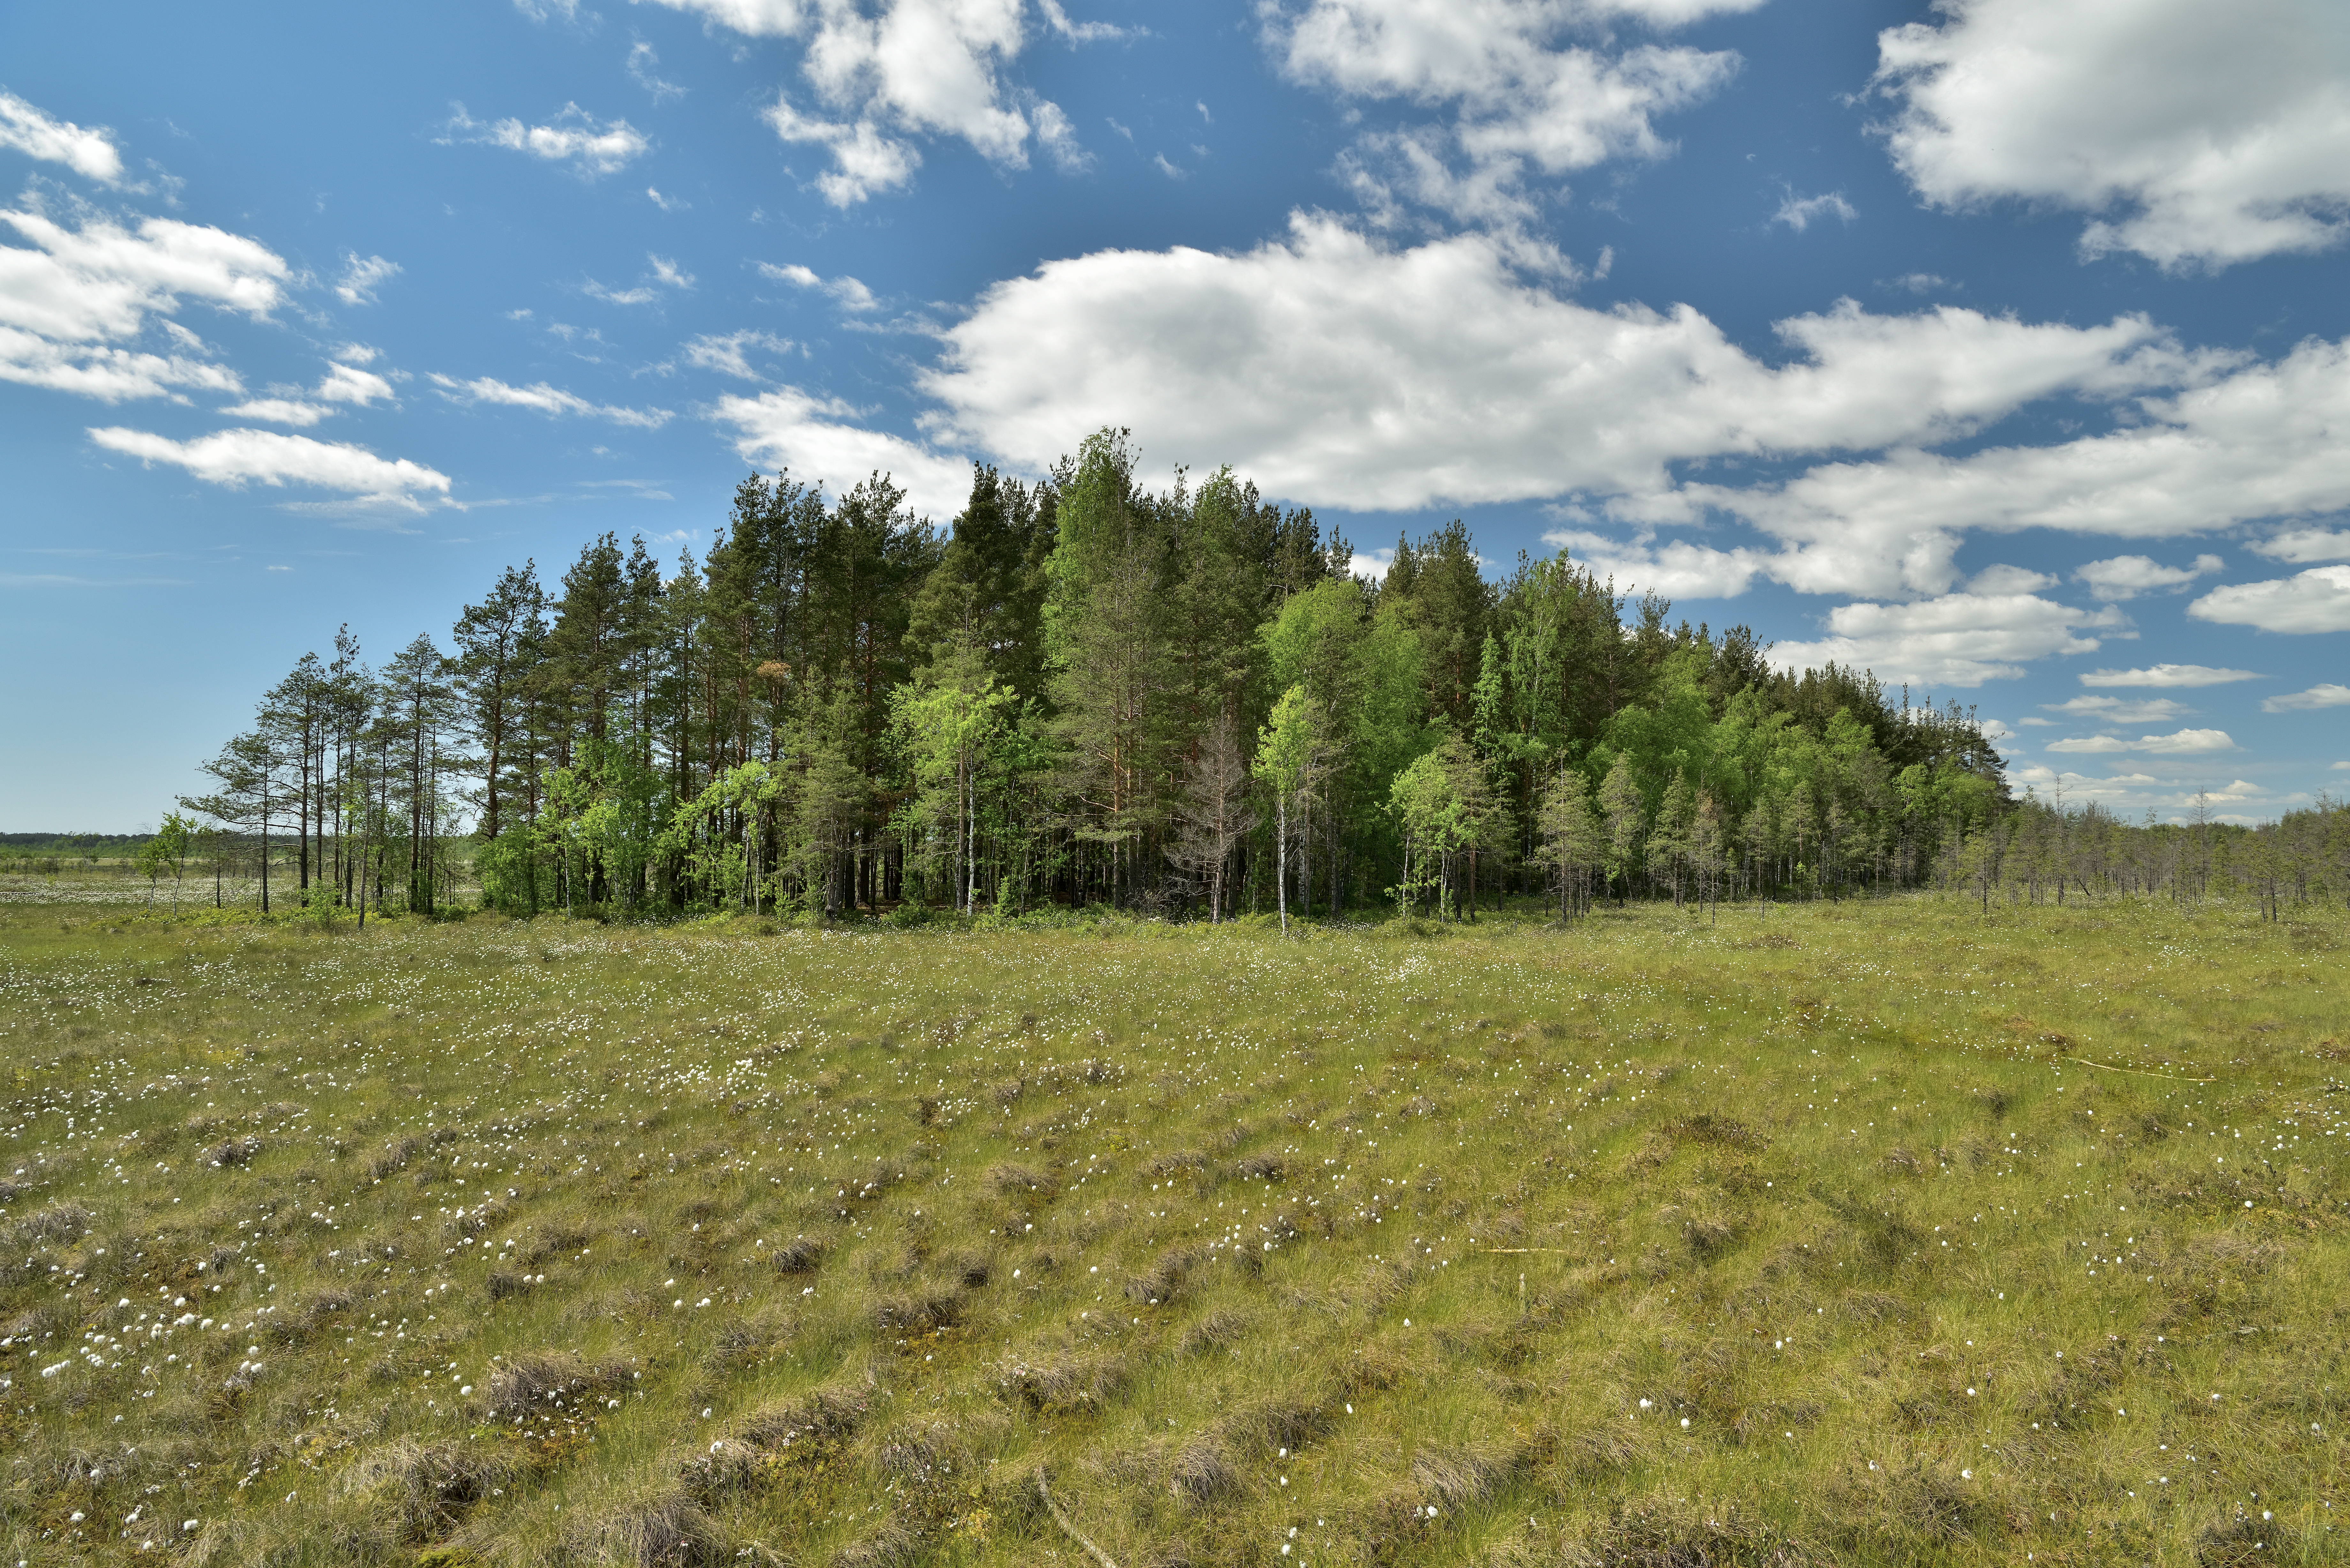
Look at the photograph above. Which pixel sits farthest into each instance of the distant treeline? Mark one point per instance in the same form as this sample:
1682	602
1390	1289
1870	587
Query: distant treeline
1082	691
70	843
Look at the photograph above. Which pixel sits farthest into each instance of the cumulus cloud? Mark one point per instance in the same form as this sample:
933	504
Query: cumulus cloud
235	458
361	276
2326	696
1517	96
2119	710
573	138
88	153
813	437
350	384
76	298
1957	640
2314	600
2251	443
545	399
907	69
2194	134
2179	744
2127	576
1675	569
2300	544
1799	212
1364	376
2171	675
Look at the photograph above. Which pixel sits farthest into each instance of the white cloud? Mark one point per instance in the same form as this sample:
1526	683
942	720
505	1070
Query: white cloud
1959	639
1159	161
2127	576
1058	138
73	299
350	384
341	384
100	281
236	457
2314	600
279	411
867	160
544	10
2116	710
361	276
904	69
2303	545
2007	579
1515	99
2131	793
809	436
1057	18
2180	743
2256	443
642	65
545	399
848	292
728	355
1675	569
1798	213
2169	675
1332	368
2197	133
89	153
667	204
2326	696
666	274
572	137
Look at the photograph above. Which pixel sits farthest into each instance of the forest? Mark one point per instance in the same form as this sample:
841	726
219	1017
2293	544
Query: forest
1185	702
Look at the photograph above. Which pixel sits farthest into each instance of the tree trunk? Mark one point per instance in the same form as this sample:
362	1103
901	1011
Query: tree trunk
1281	858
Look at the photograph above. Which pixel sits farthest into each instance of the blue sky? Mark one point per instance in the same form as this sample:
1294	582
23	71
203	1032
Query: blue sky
2002	347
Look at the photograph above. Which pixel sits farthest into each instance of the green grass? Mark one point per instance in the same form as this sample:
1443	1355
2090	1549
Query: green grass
1809	1239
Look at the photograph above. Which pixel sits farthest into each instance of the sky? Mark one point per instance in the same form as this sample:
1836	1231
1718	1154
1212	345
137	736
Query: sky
1999	346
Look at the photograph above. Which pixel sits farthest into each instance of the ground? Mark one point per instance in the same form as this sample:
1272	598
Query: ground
1885	1231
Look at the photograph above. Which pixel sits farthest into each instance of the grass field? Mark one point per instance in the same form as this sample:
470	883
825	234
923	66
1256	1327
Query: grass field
1808	1239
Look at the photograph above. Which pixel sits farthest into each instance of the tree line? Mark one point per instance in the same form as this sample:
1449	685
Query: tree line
1086	692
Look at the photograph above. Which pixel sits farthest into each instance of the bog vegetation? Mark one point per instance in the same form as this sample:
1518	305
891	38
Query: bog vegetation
1854	1232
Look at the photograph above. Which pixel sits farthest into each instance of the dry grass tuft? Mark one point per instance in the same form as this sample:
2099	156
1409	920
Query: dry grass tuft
542	1379
800	1255
1014	1179
427	1488
1059	1381
1164	1278
1199	1473
667	1530
56	1221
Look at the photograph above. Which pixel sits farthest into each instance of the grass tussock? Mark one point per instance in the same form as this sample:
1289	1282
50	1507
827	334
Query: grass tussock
1651	1242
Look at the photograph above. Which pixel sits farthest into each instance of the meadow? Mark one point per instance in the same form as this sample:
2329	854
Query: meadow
1887	1231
